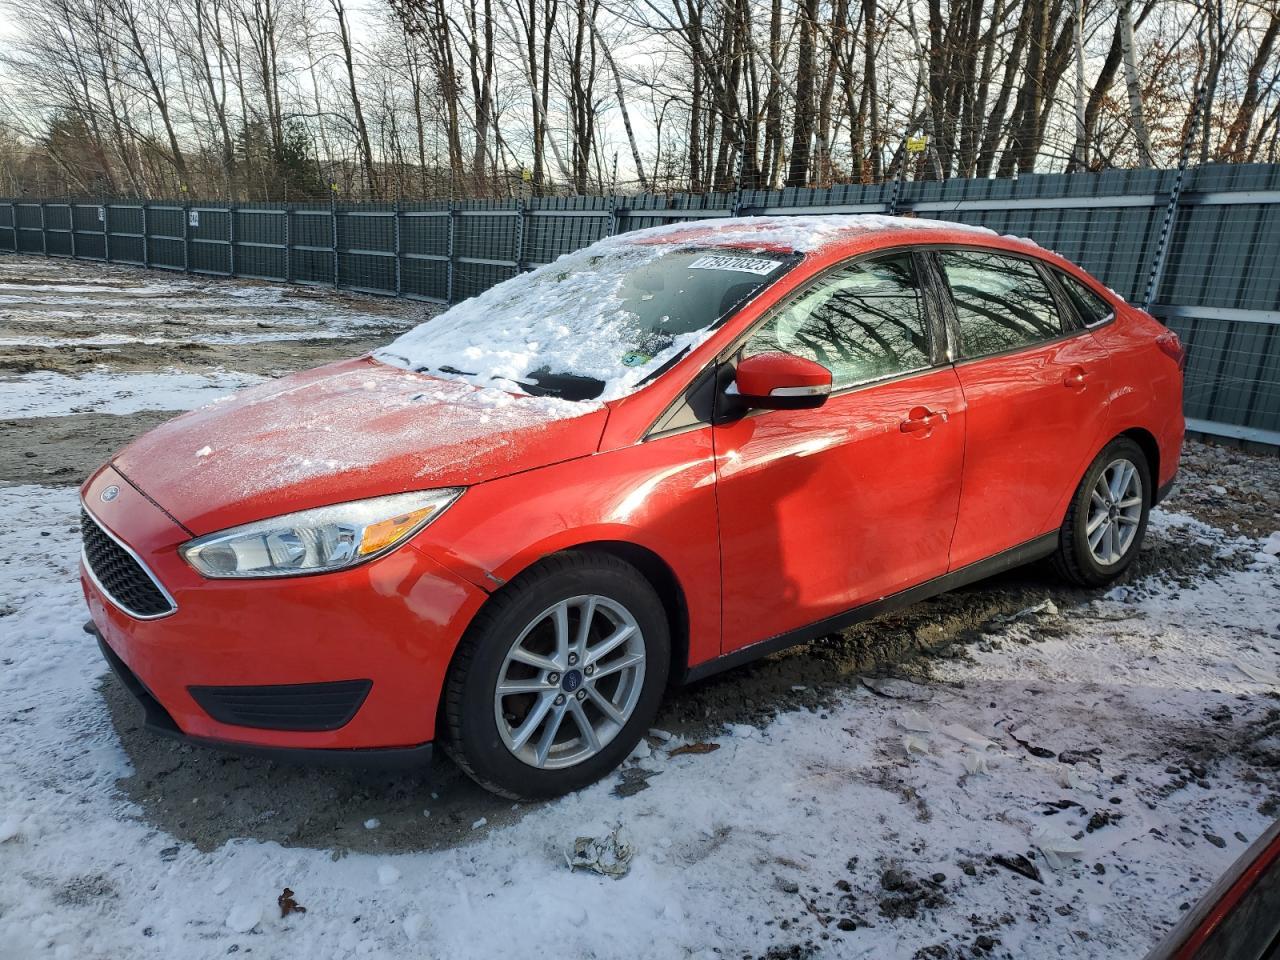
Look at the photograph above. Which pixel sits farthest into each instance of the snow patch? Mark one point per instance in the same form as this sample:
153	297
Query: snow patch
244	917
44	393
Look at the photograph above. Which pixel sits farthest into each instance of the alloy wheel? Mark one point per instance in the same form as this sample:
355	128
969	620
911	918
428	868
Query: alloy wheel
570	681
1115	511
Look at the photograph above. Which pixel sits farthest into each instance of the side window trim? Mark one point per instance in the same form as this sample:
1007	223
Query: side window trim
945	332
1059	283
1071	322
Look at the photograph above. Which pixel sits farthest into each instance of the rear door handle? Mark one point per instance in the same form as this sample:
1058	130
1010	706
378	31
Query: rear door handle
1074	380
922	419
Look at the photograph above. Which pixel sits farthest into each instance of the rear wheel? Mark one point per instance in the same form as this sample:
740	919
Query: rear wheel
1105	524
558	677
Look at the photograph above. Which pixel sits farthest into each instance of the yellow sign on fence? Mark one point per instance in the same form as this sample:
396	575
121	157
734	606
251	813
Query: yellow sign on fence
917	144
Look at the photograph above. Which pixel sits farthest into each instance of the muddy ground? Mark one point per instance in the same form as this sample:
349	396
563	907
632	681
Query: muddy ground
73	318
207	798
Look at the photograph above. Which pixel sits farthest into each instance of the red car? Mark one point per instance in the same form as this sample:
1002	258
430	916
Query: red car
659	457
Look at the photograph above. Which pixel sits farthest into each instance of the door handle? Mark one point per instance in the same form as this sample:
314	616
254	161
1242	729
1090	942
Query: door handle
1074	380
922	419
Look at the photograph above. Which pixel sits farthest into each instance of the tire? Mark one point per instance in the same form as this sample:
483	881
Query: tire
1095	565
565	685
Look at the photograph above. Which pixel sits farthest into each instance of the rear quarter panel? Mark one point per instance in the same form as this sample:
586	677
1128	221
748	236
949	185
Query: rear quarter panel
1146	386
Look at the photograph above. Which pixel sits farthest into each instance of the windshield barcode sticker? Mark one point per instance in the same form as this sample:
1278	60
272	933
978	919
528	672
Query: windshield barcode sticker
741	264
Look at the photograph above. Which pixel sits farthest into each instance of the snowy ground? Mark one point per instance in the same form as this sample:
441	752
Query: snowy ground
43	393
91	355
1062	776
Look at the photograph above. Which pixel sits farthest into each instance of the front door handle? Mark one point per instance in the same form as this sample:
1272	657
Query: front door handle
922	419
1074	380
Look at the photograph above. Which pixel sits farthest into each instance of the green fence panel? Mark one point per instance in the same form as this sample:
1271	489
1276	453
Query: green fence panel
1220	287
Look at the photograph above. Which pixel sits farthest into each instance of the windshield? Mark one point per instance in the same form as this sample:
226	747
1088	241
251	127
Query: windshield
596	324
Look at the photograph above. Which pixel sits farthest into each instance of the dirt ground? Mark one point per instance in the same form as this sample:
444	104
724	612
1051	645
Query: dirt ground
74	318
142	321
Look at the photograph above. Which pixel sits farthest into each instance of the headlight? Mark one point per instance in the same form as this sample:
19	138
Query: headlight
315	541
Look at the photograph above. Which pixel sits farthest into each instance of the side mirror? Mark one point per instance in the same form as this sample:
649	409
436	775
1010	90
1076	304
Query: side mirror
781	381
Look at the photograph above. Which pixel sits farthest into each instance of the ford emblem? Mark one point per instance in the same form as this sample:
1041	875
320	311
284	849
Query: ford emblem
110	493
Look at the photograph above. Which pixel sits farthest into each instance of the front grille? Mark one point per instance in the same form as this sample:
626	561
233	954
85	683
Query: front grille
124	580
292	706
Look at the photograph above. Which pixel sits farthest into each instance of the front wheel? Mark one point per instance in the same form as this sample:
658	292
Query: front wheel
1107	519
558	677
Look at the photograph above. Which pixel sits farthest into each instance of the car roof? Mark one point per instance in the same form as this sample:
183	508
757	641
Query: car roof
805	233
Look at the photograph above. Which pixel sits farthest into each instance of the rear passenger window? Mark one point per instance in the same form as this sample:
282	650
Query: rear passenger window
1001	302
865	321
1091	307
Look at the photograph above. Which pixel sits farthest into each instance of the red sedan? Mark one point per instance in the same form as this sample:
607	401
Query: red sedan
656	458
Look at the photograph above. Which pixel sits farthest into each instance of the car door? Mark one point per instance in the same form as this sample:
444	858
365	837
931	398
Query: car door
825	509
1035	388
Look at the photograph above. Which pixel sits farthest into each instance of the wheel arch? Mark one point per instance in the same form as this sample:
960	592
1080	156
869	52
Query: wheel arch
665	583
656	571
1150	447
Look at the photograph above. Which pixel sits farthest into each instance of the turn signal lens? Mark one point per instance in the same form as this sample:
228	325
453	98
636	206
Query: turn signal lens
380	535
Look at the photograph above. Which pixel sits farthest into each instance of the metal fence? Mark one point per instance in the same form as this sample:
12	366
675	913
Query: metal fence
1217	245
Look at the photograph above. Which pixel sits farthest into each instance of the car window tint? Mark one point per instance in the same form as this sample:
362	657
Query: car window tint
1091	307
862	322
1001	302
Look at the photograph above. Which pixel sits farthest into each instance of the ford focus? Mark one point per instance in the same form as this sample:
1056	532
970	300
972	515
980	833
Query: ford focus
654	459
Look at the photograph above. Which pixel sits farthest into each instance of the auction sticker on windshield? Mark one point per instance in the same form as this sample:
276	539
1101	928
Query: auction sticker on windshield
754	265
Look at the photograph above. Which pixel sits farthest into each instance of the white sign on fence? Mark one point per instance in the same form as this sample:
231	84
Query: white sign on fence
193	218
102	214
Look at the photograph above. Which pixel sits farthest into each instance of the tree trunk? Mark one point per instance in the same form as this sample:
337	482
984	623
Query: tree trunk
362	130
1133	85
1235	149
802	132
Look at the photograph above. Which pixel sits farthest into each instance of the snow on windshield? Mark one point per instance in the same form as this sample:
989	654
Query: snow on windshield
598	322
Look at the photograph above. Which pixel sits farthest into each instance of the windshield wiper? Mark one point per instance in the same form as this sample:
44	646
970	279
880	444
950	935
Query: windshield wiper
566	386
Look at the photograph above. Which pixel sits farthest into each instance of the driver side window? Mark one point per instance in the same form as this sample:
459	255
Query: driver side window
864	321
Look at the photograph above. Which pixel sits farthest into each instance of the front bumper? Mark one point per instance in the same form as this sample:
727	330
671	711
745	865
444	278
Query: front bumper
158	721
216	668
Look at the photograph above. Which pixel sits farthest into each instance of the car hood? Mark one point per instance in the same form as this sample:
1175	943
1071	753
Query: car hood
355	429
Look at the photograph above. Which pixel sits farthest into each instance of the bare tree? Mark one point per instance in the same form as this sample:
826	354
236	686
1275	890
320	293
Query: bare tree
494	98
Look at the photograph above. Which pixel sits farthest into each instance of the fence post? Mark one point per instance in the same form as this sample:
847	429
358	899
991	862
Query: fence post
449	264
106	231
1171	211
71	218
146	238
896	196
231	238
44	231
288	244
518	242
186	236
13	219
396	237
735	202
333	235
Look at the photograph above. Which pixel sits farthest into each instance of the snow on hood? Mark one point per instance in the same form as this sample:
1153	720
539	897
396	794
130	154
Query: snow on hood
350	430
569	315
